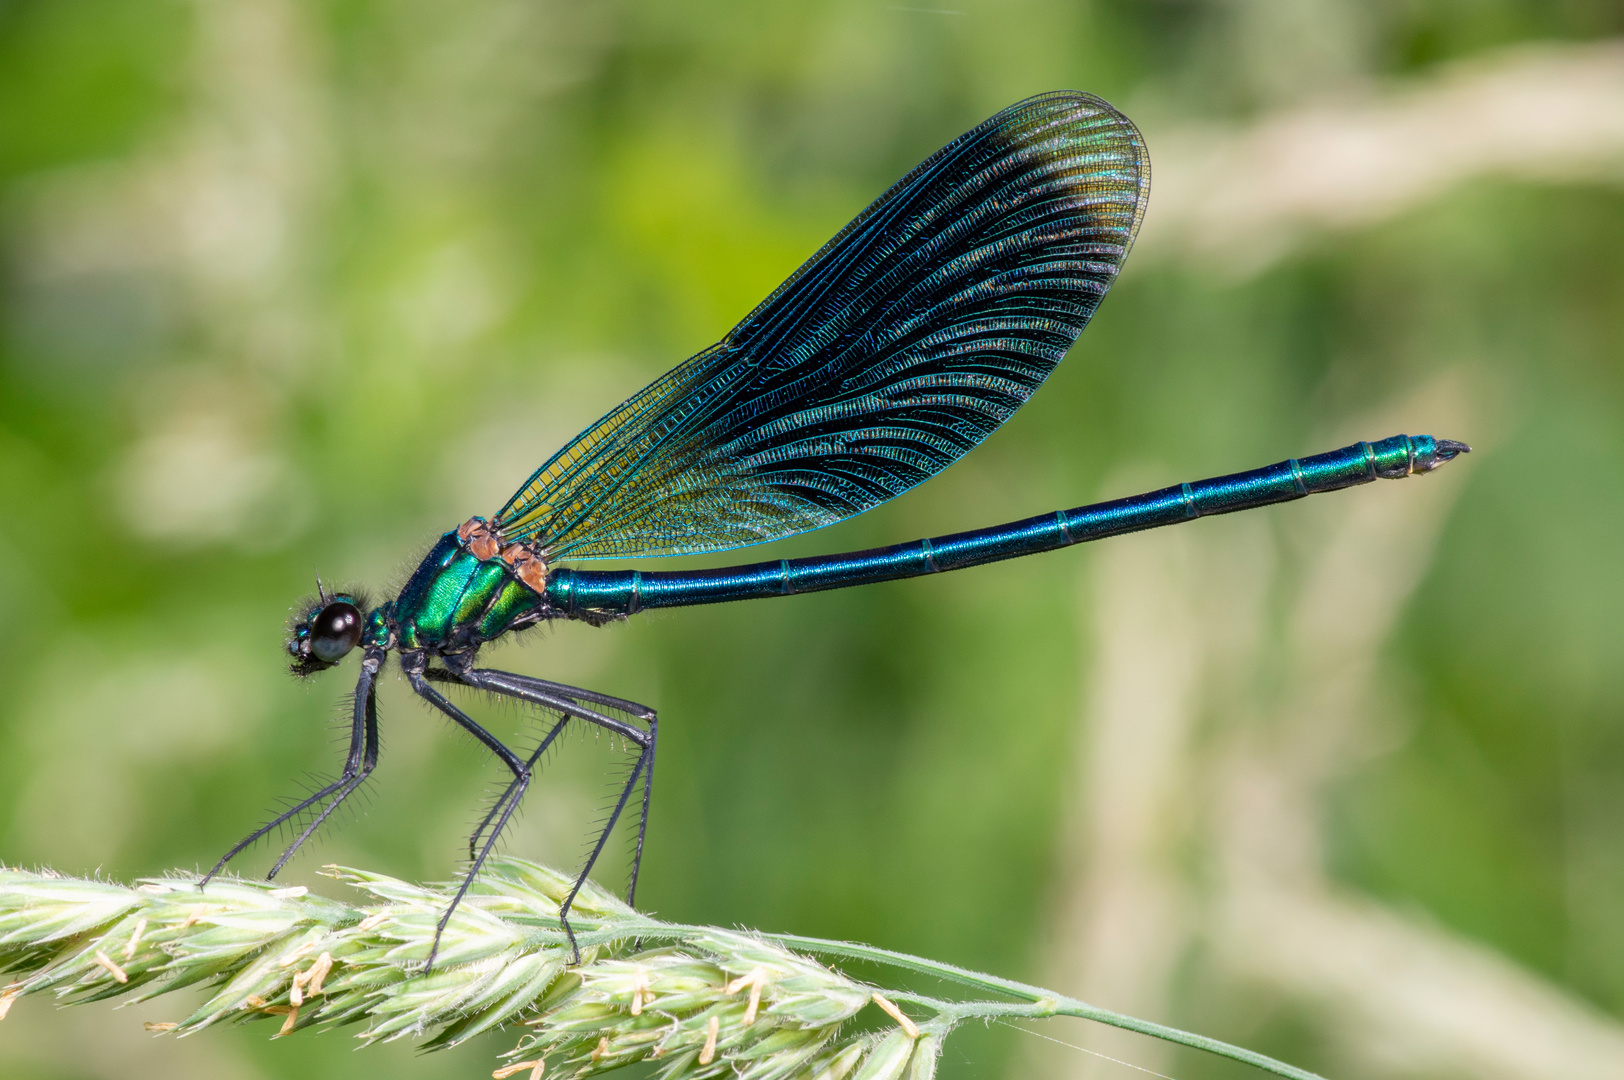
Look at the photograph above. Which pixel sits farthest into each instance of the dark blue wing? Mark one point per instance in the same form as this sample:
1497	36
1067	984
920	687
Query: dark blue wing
913	334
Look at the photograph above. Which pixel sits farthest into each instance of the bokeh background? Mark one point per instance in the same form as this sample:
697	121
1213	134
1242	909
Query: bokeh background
292	285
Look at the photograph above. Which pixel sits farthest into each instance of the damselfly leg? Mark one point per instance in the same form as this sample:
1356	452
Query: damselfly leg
566	693
567	699
530	763
570	702
358	765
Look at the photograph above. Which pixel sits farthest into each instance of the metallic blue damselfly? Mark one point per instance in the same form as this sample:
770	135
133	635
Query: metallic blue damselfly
897	348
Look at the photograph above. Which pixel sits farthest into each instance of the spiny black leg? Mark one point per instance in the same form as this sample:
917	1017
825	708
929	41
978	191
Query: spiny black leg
369	760
567	700
643	759
363	756
559	698
642	821
521	779
575	694
508	803
530	763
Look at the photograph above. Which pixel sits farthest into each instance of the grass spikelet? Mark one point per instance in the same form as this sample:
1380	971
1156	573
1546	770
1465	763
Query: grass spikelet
699	1001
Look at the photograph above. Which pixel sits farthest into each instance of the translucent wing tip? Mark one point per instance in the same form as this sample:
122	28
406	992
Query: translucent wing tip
1094	115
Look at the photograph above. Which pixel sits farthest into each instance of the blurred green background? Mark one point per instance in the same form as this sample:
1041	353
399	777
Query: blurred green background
293	286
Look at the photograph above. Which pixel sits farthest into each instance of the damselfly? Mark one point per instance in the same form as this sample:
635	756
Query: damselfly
901	345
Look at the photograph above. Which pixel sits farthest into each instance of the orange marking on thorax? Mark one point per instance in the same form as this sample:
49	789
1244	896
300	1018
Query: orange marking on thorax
523	558
479	538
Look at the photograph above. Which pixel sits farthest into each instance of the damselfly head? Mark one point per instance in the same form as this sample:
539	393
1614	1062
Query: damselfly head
330	628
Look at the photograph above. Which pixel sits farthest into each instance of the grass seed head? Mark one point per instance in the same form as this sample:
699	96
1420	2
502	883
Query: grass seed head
720	1001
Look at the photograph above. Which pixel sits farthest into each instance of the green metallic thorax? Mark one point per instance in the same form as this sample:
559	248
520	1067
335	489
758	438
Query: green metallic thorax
454	601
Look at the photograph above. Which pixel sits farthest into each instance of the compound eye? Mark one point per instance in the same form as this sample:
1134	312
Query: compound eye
334	631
